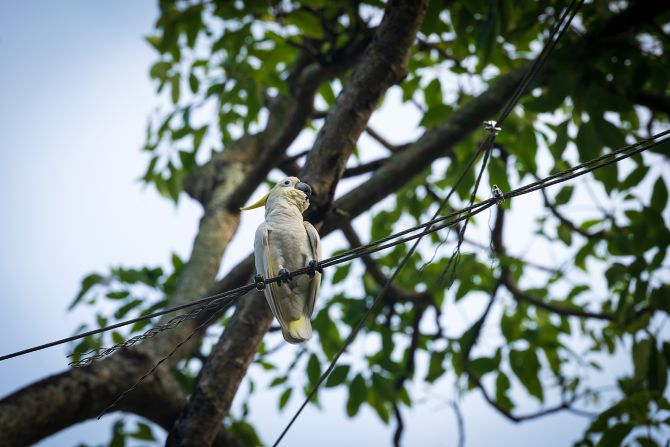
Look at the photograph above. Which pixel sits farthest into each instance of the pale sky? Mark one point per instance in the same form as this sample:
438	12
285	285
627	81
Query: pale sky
76	97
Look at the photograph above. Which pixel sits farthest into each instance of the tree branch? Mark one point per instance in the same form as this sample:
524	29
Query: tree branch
395	294
383	141
474	333
568	223
382	64
364	168
408	371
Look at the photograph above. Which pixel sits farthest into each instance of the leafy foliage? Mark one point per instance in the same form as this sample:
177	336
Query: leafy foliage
224	62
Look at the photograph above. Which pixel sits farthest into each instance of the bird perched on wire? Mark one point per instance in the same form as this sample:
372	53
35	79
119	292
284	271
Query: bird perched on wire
284	243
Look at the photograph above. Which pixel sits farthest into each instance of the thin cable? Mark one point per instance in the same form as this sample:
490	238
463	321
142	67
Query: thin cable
456	255
99	353
557	32
347	255
214	314
539	61
168	310
471	211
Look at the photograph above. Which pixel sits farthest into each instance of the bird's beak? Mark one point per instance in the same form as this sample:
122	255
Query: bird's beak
304	187
257	204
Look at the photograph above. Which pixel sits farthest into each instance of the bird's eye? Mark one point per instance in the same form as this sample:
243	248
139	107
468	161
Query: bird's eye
287	182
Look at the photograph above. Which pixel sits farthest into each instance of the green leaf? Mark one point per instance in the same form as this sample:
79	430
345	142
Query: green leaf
308	23
338	376
87	284
154	41
609	134
341	273
587	141
614	436
436	115
526	366
657	374
502	387
175	87
278	381
498	173
117	338
245	433
123	310
159	70
383	387
379	405
284	398
561	141
118	435
432	23
485	365
564	195
659	196
313	369
143	432
641	353
357	395
564	233
326	92
118	295
435	367
433	93
634	178
193	83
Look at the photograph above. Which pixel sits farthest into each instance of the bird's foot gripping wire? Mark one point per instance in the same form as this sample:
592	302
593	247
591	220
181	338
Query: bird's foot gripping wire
284	276
259	282
497	194
313	267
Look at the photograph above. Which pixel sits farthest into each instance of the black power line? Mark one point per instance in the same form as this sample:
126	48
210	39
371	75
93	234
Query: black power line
348	255
486	147
568	174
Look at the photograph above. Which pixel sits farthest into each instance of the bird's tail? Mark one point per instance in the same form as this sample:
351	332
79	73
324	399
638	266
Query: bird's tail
298	331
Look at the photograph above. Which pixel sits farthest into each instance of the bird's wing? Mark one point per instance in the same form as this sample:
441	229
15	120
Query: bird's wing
268	268
315	252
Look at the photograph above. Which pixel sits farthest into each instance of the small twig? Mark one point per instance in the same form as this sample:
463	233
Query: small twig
567	222
383	141
364	168
459	423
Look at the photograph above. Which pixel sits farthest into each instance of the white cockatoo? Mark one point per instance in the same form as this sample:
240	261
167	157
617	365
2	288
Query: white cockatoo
284	243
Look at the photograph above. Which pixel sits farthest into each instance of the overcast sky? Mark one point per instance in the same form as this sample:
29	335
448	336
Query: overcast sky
75	99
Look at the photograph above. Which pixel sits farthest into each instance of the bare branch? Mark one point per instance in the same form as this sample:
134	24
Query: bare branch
395	294
523	296
568	223
459	423
383	141
365	168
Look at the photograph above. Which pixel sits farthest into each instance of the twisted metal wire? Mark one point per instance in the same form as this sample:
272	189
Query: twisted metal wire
150	333
381	244
215	313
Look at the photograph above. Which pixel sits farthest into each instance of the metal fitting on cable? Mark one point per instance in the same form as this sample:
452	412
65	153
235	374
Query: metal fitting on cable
492	127
313	267
497	194
259	282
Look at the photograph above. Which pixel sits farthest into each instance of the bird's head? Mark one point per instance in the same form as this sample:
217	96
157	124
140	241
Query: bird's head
289	190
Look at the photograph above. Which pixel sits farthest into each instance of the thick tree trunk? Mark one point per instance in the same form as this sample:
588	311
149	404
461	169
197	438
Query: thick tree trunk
382	65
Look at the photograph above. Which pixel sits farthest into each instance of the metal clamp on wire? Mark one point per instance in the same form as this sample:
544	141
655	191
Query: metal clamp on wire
497	194
313	267
259	282
492	127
